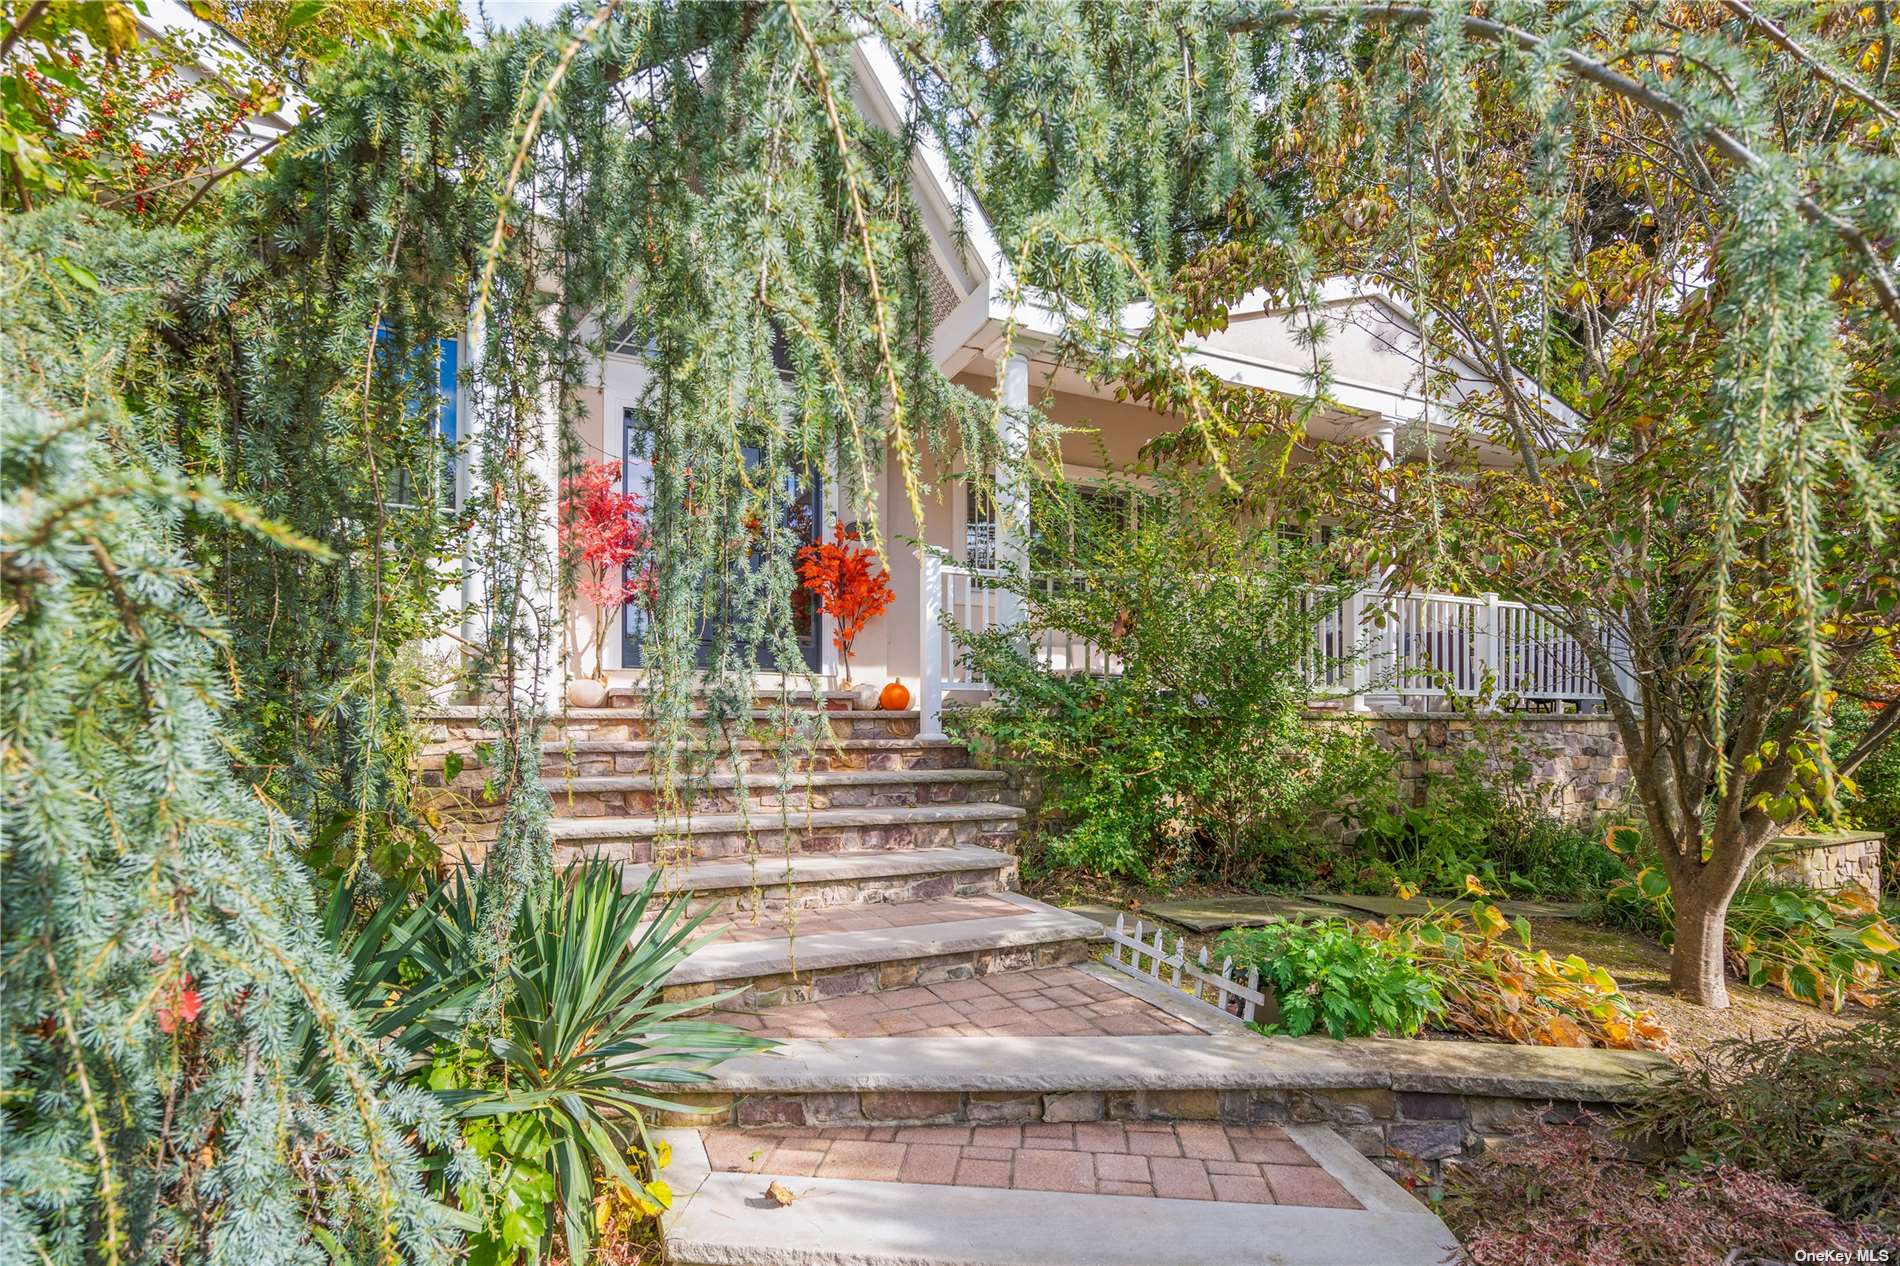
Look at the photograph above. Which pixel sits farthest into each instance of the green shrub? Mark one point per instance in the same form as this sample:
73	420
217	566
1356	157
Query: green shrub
1333	976
1196	757
557	1094
1819	1109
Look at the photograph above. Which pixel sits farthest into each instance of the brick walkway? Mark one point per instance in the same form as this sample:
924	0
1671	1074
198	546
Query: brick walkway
855	918
1049	1002
1251	1164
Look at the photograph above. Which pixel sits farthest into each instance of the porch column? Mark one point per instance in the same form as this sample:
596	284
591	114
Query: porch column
1012	486
1379	643
930	637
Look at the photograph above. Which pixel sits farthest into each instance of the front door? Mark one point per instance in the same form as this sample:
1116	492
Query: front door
804	515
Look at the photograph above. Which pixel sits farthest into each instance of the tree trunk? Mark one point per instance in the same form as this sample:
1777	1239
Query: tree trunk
1696	967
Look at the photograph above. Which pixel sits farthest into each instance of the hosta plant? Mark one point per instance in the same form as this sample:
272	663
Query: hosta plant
1332	976
1822	948
1496	985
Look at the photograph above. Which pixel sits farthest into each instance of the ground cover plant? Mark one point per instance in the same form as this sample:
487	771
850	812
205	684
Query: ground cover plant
1470	971
1819	1110
1557	1196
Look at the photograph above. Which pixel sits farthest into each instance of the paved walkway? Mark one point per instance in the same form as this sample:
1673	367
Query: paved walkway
1249	1164
1049	1002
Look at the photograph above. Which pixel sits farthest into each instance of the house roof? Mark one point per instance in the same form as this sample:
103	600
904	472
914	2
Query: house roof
1374	344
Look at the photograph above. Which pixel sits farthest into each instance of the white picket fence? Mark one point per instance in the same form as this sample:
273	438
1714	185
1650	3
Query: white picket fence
1201	983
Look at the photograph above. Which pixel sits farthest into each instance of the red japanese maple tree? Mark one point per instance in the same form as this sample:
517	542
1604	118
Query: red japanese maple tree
838	572
604	533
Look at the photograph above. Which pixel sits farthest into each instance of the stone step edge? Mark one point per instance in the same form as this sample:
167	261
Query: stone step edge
607	828
772	871
585	783
461	712
590	747
1038	924
1221	1061
723	1219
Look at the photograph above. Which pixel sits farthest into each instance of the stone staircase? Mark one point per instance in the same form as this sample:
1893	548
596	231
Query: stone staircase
957	1083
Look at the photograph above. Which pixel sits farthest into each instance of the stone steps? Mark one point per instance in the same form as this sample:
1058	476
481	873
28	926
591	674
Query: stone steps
1052	1195
599	757
764	724
831	953
707	837
766	884
611	795
1403	1103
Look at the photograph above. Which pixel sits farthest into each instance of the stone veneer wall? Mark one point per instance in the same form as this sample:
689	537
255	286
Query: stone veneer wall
1826	863
1577	758
1404	1132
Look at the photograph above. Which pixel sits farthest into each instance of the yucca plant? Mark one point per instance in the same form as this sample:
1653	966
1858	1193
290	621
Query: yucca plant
585	1036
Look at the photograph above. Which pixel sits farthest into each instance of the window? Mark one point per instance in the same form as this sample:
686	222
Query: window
1064	531
979	527
442	423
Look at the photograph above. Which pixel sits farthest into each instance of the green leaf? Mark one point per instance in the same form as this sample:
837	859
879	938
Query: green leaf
81	275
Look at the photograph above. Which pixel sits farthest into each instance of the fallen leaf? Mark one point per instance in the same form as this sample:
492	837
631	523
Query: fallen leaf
780	1194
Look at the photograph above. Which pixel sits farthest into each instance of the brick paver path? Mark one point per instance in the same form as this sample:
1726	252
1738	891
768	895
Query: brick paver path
858	918
1243	1164
1048	1002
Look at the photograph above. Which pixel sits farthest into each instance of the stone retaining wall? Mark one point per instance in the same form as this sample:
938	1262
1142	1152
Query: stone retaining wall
1576	759
1404	1132
1826	863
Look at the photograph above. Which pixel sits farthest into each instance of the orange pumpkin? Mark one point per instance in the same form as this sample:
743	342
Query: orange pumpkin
894	697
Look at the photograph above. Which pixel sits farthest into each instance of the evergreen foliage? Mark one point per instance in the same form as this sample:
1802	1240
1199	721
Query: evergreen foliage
224	532
144	881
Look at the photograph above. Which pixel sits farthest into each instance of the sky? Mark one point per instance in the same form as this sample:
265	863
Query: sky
507	13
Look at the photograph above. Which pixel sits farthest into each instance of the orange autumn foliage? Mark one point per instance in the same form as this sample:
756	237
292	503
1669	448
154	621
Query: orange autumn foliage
838	573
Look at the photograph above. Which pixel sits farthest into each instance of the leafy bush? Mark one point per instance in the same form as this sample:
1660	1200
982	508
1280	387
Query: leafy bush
557	1094
1824	949
1330	975
1489	817
1551	1198
1196	755
1819	1109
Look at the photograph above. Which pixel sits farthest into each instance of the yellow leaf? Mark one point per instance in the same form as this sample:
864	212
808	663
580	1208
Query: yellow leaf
1876	938
1473	887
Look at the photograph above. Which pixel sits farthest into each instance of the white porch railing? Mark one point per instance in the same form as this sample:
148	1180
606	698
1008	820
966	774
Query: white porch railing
1374	650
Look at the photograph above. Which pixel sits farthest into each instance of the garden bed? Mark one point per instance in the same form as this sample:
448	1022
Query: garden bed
1639	963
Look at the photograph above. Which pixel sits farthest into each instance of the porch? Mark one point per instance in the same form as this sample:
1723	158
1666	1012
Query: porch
1377	651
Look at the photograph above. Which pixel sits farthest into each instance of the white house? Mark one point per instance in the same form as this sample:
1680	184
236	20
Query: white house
1378	386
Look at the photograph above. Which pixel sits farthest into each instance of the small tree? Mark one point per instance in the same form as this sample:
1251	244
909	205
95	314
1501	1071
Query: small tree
838	573
604	534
